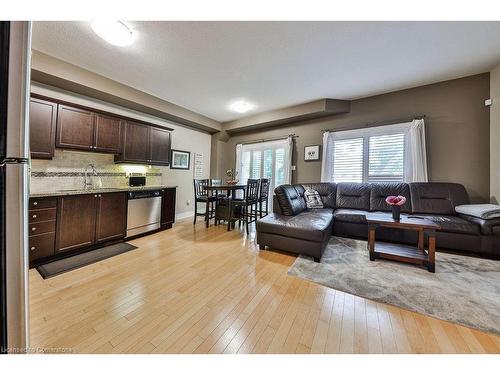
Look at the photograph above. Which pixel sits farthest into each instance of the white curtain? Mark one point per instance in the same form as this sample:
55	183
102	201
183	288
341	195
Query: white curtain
288	160
416	165
326	161
239	148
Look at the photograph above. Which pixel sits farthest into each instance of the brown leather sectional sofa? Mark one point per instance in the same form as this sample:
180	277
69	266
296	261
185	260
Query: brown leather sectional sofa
294	228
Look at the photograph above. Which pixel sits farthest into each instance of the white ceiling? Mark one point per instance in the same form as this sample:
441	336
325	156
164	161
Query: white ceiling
203	66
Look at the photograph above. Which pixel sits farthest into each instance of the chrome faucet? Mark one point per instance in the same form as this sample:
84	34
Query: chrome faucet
87	182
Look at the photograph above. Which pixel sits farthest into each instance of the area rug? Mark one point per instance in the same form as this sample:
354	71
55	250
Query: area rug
463	290
60	266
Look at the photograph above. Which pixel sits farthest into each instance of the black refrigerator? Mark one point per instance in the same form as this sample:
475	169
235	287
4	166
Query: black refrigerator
15	64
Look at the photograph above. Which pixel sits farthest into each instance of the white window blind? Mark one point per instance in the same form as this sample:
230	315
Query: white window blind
348	160
386	158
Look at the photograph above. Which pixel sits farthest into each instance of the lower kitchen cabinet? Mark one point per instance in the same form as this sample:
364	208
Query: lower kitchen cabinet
85	220
111	216
76	218
60	226
167	208
41	228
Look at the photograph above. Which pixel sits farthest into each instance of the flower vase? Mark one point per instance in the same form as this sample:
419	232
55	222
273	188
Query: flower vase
396	212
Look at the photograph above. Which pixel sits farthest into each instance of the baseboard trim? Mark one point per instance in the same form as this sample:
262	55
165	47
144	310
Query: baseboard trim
184	215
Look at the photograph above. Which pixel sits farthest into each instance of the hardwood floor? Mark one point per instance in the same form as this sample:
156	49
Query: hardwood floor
197	290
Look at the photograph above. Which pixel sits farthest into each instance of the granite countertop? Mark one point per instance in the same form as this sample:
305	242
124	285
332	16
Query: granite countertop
56	193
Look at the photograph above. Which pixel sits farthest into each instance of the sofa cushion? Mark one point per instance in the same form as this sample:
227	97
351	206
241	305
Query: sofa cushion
350	215
311	225
454	224
380	191
290	198
437	197
353	195
313	199
326	190
488	226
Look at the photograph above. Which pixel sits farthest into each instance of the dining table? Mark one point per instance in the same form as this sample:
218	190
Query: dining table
221	211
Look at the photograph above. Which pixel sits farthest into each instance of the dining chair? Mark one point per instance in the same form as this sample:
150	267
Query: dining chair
246	207
203	196
264	197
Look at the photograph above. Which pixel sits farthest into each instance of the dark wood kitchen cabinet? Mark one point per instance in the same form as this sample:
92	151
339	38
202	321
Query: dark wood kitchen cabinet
168	207
75	128
135	146
144	144
85	220
159	146
107	134
43	116
76	219
85	130
58	124
41	228
111	222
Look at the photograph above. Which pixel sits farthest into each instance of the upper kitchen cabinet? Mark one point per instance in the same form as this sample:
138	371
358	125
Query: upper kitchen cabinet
135	146
43	115
144	144
86	130
107	134
75	128
159	146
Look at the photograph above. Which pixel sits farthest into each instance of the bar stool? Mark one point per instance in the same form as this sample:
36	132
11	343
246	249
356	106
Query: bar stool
249	201
202	196
264	196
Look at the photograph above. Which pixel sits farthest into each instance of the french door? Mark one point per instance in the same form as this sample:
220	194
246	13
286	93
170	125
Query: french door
264	160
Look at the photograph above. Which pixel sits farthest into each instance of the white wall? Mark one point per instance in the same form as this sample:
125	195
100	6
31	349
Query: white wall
495	135
182	139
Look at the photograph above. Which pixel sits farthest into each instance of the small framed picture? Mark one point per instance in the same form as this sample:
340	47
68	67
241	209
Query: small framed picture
311	153
180	159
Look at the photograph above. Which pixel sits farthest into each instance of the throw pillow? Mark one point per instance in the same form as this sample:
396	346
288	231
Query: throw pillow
313	199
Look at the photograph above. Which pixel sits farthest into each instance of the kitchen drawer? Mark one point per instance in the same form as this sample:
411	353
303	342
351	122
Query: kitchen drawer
41	246
46	214
38	203
41	228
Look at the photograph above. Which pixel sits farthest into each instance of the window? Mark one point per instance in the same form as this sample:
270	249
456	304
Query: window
367	155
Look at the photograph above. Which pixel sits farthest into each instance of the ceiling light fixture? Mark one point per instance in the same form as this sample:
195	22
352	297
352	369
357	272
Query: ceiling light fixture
241	106
113	32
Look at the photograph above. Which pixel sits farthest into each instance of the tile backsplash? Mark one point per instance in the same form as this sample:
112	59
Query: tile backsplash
67	169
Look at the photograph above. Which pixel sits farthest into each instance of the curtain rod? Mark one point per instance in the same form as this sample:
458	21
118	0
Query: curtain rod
268	139
373	124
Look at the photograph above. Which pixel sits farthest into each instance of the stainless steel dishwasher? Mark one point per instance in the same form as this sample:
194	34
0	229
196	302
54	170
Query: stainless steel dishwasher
144	211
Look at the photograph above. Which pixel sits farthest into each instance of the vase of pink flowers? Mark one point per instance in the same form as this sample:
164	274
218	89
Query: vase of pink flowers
395	202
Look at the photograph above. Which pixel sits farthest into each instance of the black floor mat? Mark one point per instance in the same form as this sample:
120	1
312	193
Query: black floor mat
60	266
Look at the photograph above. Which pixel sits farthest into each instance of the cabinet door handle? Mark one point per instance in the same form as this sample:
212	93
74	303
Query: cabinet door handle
34	216
33	229
99	195
35	203
95	196
33	248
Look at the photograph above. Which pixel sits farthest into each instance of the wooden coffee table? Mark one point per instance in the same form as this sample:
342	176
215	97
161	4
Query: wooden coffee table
399	252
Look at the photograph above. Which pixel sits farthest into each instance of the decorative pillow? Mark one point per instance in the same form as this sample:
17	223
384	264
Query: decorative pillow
313	199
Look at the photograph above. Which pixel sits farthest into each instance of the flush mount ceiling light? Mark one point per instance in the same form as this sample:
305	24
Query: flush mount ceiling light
241	106
113	32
